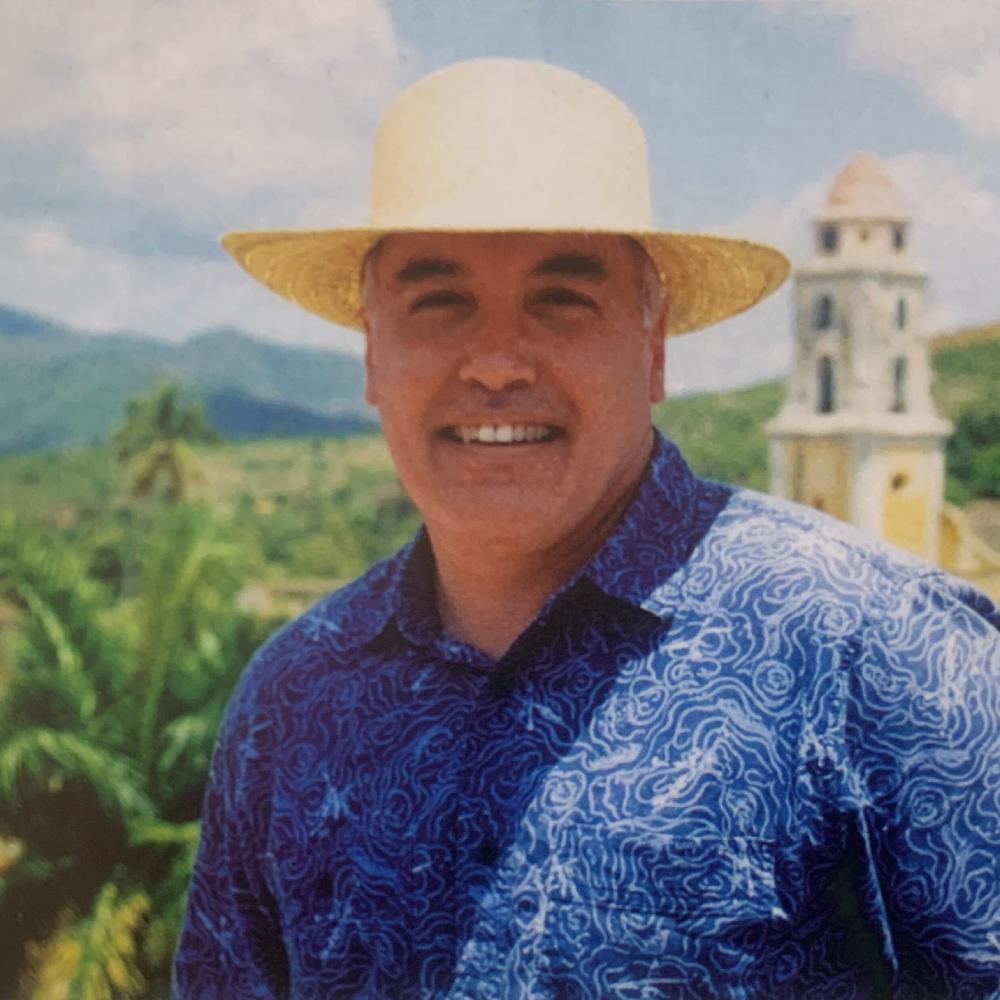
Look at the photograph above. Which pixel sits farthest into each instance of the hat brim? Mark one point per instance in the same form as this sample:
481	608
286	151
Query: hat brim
706	278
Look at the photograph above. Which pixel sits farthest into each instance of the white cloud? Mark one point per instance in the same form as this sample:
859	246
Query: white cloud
188	118
956	237
232	112
103	290
946	50
956	234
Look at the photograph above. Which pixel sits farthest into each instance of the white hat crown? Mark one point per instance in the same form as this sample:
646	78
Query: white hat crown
509	144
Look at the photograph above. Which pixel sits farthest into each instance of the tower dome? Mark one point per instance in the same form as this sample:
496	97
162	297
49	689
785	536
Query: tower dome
863	190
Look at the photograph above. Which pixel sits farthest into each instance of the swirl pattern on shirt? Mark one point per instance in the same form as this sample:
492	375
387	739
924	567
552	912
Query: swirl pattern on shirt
743	753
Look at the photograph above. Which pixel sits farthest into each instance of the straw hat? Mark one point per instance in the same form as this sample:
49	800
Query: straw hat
502	145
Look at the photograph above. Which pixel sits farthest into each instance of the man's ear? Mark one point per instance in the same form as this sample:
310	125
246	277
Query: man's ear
657	379
658	361
371	391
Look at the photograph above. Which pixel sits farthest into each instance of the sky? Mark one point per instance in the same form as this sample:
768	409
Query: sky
134	132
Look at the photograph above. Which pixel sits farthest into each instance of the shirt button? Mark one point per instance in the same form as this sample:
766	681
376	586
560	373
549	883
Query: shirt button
487	852
501	685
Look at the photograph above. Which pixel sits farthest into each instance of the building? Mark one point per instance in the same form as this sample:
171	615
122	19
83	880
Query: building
858	435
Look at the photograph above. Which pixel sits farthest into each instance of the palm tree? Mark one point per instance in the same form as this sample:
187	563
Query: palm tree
106	727
156	439
68	793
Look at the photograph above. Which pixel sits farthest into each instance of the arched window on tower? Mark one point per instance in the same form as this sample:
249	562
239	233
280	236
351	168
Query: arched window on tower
898	386
826	396
829	238
898	239
901	314
823	318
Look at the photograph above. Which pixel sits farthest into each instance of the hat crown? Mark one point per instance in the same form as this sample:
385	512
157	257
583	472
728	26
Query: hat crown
500	144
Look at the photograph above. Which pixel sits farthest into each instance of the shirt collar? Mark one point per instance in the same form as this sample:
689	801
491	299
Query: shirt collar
666	519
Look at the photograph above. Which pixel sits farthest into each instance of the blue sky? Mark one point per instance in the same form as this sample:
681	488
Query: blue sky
143	129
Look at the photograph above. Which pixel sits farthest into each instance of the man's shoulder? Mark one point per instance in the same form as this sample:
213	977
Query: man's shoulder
328	633
787	547
758	520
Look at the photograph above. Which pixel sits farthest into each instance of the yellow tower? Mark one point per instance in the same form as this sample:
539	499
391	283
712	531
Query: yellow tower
858	435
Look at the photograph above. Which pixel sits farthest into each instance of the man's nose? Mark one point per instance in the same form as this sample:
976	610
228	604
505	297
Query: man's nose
496	359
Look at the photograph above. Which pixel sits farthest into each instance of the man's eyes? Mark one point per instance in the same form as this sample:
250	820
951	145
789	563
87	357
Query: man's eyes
562	297
442	299
559	297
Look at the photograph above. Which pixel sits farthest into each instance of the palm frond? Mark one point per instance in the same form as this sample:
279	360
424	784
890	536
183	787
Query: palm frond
96	958
162	833
68	662
180	589
153	439
147	468
67	655
37	759
170	895
186	737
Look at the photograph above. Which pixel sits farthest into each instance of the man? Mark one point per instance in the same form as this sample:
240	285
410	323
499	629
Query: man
603	728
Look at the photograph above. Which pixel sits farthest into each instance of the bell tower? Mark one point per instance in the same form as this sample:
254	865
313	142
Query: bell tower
858	435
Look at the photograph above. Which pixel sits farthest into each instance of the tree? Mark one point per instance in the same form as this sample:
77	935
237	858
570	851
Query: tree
106	727
156	440
973	454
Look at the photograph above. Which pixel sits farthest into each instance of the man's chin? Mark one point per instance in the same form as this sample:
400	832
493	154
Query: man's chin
500	516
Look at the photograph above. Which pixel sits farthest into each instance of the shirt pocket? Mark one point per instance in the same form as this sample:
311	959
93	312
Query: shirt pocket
682	916
684	878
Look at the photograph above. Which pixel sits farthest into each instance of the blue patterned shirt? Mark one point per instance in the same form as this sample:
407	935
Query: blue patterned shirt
744	752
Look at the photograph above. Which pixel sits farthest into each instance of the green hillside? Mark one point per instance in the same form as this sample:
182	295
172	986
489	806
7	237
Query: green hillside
967	371
722	434
60	386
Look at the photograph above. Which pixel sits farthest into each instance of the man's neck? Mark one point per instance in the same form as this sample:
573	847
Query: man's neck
490	600
490	604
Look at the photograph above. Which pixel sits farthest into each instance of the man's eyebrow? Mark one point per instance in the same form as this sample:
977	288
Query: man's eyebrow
577	265
420	268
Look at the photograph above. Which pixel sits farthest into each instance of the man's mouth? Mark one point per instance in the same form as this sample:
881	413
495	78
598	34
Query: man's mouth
501	434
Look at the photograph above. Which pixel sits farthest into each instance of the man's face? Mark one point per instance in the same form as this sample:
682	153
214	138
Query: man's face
514	374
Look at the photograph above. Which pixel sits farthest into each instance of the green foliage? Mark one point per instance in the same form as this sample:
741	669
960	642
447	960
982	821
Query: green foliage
965	382
155	439
106	728
973	455
37	758
965	375
96	958
722	434
250	387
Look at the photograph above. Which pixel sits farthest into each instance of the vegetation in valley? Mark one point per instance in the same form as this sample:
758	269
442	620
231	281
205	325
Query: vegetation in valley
966	374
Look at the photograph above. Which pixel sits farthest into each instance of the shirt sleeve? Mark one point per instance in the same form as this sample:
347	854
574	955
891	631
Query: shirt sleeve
230	940
924	725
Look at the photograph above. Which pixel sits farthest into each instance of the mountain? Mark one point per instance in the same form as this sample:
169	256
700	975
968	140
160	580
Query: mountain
62	386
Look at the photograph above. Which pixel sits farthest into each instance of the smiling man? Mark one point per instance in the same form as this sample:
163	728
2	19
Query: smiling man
514	375
603	728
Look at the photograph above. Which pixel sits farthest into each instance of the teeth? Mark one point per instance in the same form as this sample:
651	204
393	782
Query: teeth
501	433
